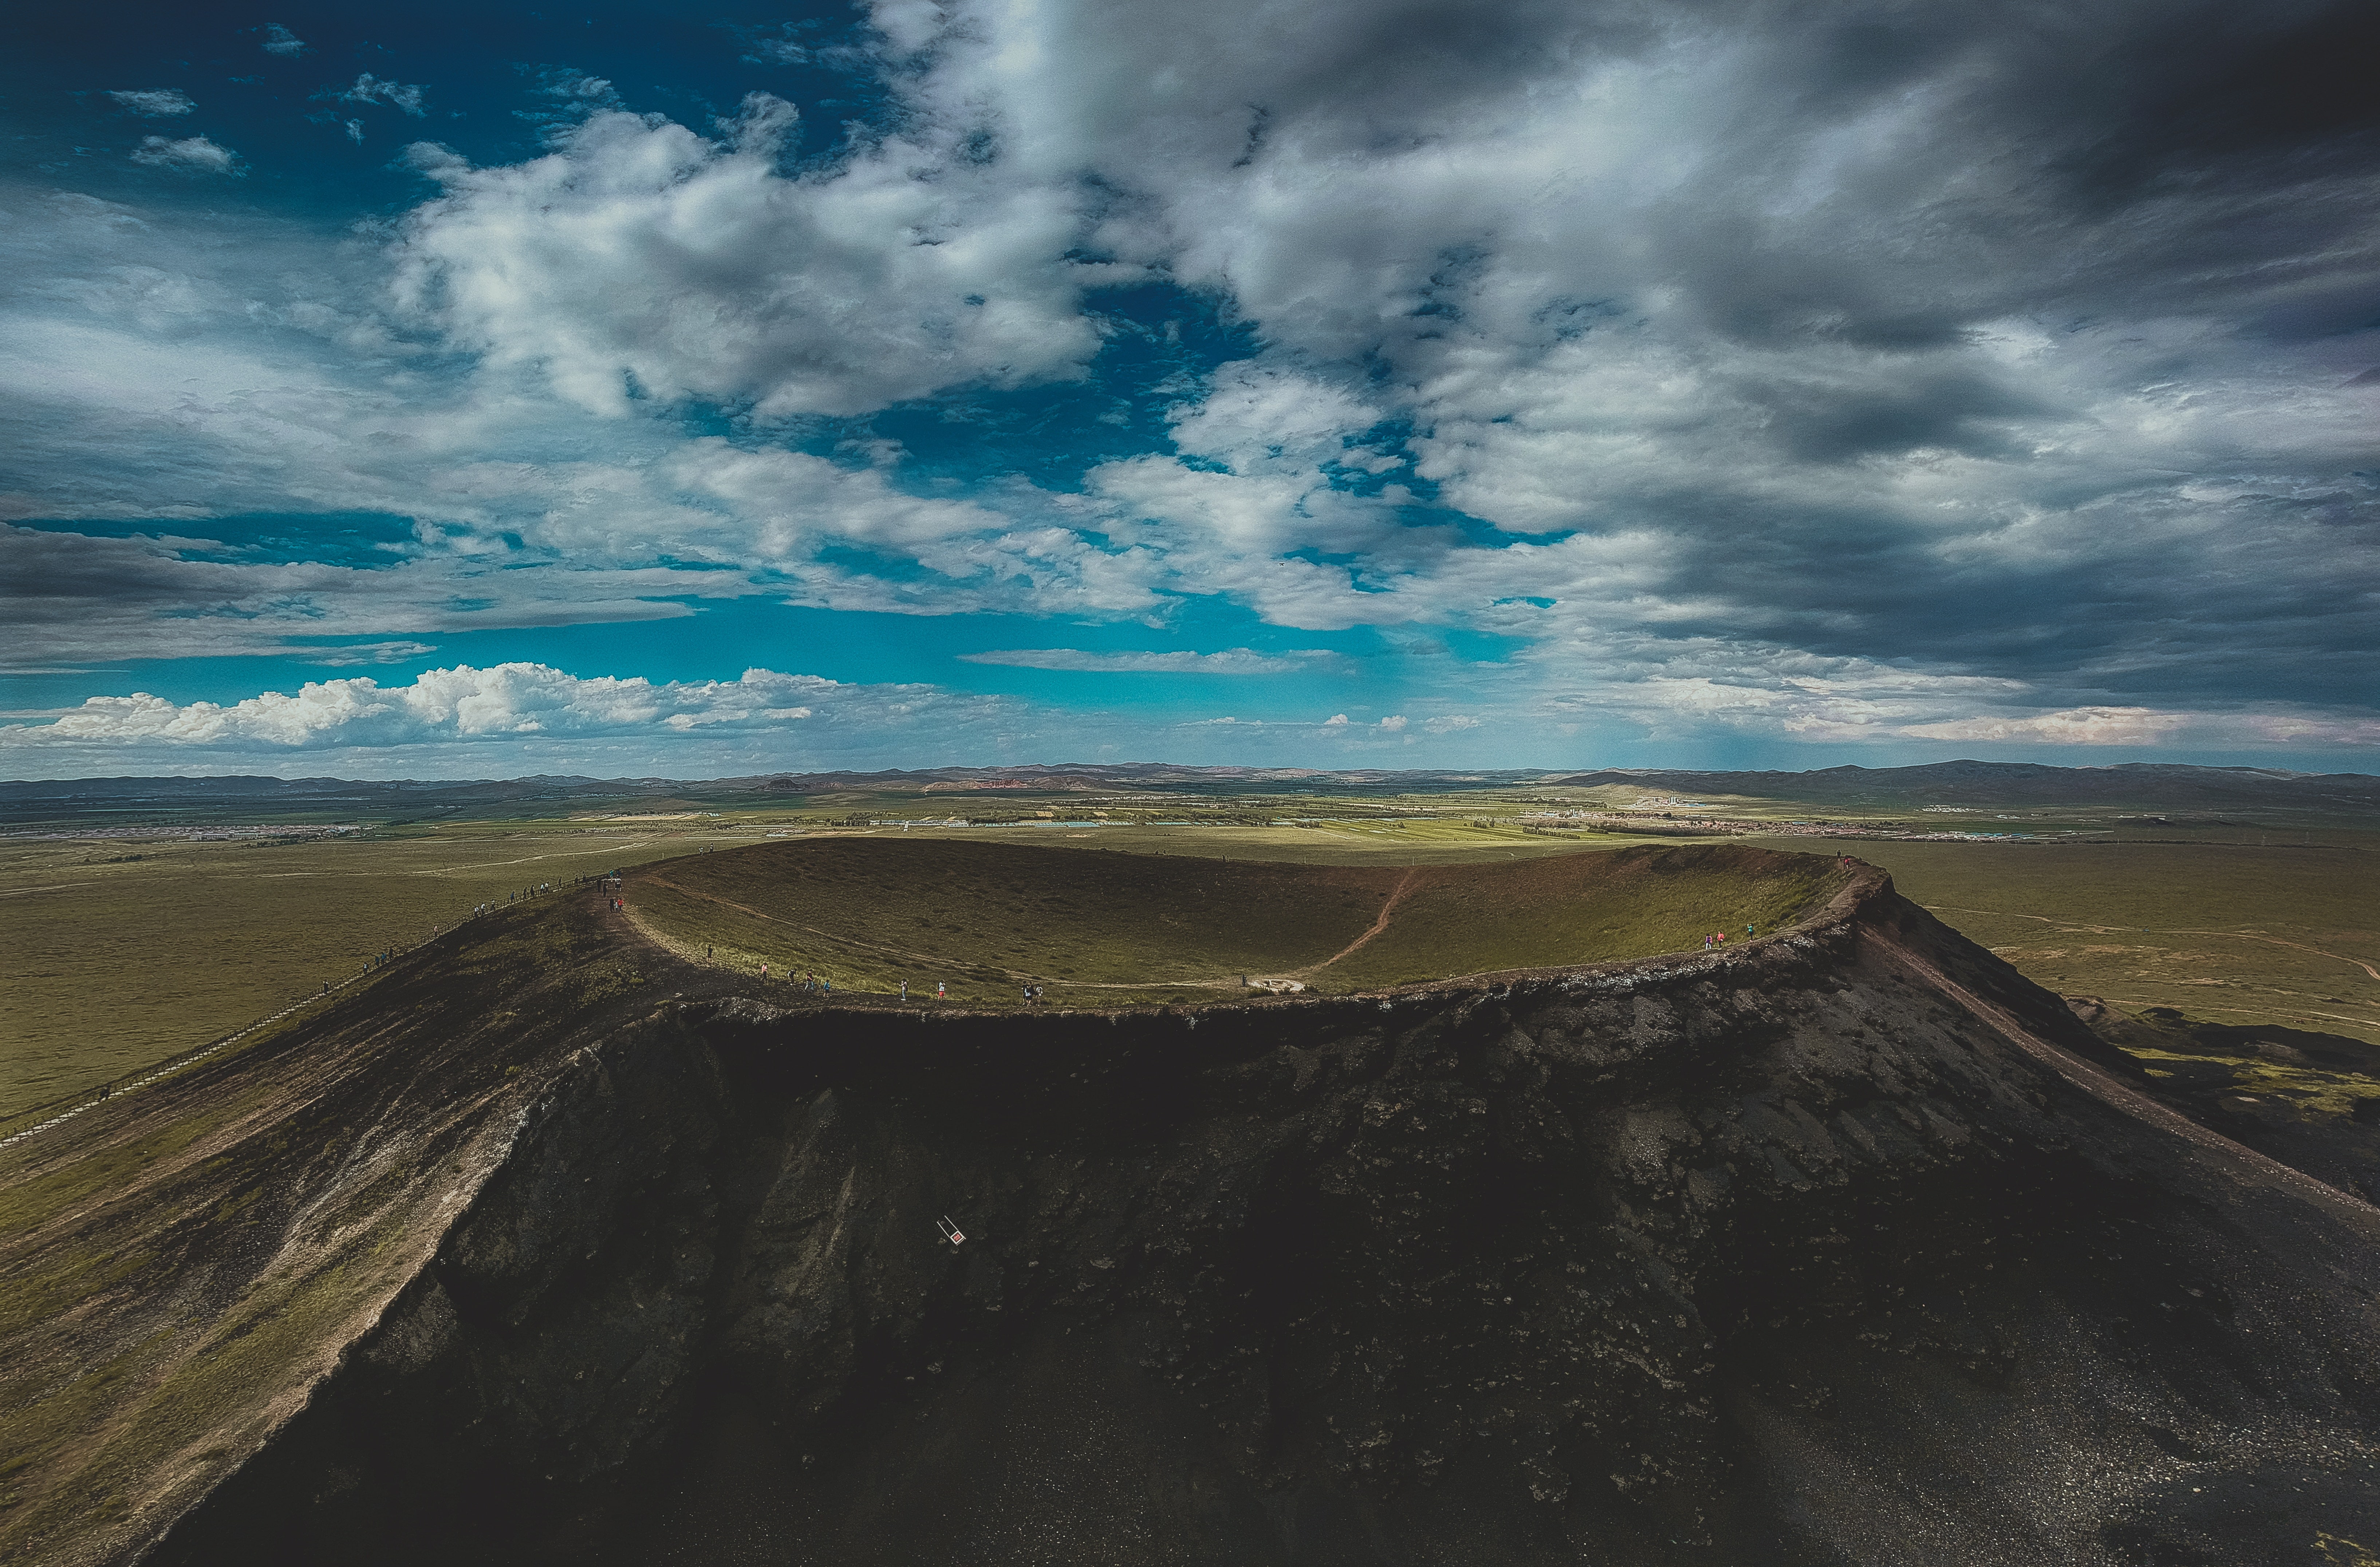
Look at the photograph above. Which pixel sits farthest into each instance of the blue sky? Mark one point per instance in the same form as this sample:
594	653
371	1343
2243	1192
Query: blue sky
479	391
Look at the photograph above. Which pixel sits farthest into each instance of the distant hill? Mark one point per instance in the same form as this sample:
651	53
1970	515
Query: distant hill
78	798
1997	783
1949	782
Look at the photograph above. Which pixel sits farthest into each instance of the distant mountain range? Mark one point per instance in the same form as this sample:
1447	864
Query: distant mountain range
2150	784
2008	783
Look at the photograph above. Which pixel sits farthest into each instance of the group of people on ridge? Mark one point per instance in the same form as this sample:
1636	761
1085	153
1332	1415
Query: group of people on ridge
1718	938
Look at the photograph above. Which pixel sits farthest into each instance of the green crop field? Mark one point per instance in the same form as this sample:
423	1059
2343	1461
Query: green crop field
1097	926
2228	932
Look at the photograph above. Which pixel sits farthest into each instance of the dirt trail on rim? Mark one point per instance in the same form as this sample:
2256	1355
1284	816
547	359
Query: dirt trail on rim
1396	895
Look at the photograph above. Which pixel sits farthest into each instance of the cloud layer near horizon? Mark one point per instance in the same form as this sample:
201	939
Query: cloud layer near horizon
1830	373
498	710
514	715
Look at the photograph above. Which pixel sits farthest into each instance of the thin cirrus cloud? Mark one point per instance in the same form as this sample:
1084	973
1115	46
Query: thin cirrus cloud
1729	376
157	101
1231	660
369	89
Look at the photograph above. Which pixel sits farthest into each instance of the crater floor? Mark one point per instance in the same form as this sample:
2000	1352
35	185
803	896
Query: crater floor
1100	928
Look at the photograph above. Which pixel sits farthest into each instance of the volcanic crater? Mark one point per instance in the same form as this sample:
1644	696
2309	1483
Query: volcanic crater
1537	1240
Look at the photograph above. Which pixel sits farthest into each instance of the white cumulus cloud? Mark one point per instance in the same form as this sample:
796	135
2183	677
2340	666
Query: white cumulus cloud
640	260
502	702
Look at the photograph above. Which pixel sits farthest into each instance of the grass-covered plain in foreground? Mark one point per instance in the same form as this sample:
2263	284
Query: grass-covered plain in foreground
2229	933
159	1220
1096	926
119	955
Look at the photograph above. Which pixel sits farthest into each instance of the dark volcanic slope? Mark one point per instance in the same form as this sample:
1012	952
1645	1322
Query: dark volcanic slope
2224	1077
1837	1248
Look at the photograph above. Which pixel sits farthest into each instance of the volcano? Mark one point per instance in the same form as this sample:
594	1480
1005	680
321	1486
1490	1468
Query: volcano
1840	1243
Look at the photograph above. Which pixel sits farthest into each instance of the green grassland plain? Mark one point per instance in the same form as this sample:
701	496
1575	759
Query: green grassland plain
119	954
116	953
2226	932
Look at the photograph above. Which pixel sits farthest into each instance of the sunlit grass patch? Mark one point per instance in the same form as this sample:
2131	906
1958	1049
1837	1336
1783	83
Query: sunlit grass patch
2312	1089
2239	934
115	959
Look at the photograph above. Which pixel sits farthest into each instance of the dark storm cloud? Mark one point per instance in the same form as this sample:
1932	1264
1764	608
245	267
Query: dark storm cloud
2067	161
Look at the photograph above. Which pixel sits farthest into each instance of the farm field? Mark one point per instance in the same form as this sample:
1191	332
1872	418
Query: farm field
2224	933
